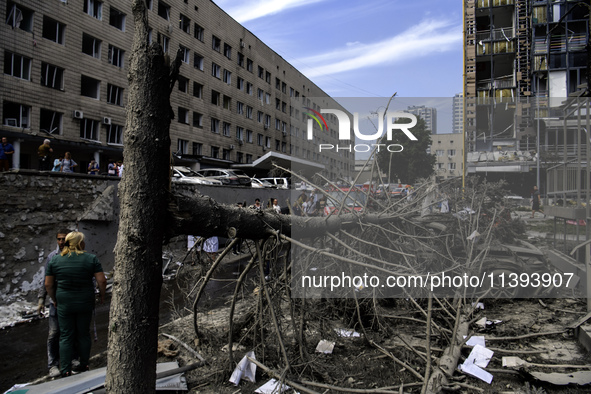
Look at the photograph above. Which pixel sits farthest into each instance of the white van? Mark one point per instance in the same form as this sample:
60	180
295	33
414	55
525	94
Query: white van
280	183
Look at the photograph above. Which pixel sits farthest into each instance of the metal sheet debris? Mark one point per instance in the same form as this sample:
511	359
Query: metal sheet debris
94	379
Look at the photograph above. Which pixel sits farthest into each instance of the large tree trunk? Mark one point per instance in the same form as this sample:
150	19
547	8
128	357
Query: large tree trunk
133	327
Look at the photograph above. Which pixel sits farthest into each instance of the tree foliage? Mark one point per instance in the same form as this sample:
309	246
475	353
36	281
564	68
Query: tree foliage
413	162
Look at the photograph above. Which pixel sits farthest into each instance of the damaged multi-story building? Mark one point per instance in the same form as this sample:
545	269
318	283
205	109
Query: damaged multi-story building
65	79
523	59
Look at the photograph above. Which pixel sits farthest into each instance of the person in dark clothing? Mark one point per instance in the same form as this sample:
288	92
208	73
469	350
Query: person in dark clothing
536	203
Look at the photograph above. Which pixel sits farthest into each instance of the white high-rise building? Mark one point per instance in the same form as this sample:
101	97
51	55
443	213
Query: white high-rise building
428	114
458	113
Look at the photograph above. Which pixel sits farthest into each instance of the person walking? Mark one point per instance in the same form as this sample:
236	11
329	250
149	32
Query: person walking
53	355
536	203
68	164
6	152
68	280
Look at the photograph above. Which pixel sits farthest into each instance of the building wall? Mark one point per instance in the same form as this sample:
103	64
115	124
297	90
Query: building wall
36	206
192	140
447	149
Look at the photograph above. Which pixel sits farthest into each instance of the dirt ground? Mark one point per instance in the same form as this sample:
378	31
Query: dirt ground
356	365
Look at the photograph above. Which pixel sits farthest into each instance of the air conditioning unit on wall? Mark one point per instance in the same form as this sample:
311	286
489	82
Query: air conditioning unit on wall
106	120
232	146
78	114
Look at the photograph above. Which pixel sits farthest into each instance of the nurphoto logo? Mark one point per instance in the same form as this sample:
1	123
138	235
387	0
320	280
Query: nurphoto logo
345	130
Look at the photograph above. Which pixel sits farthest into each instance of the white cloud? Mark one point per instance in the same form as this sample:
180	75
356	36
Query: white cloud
254	9
420	40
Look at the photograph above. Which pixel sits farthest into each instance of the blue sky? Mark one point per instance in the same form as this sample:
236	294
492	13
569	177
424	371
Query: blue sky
369	48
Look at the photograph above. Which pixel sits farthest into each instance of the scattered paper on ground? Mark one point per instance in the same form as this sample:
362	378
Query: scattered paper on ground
347	333
325	346
245	369
272	387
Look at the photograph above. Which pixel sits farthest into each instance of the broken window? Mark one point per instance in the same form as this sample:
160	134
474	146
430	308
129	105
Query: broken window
115	134
227	102
198	61
240	84
16	115
91	46
227	77
183	84
116	56
199	32
89	129
215	70
261	72
182	147
228	51
215	152
185	24
249	88
50	121
52	76
53	30
17	65
90	87
197	149
186	54
19	17
215	97
197	120
240	59
114	95
183	115
215	125
215	43
197	90
94	8
164	10
117	18
165	43
249	65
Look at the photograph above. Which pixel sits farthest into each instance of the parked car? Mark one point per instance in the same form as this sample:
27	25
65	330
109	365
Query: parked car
260	184
355	201
227	176
281	183
186	175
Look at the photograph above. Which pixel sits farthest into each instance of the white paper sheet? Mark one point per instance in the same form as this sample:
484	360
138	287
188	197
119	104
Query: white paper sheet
245	369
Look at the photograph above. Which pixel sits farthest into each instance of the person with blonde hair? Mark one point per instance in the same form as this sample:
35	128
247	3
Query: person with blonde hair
68	163
73	270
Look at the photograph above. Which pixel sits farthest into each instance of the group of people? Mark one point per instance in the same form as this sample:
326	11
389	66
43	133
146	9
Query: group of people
71	276
312	205
65	163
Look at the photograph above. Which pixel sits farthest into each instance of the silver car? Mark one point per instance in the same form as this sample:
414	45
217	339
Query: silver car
186	175
227	176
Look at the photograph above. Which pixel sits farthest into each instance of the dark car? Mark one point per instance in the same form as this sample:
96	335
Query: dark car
227	176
